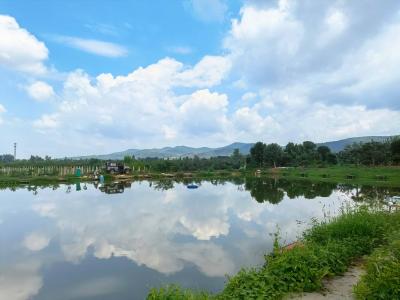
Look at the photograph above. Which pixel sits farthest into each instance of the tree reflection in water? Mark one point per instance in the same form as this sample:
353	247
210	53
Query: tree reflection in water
368	194
262	189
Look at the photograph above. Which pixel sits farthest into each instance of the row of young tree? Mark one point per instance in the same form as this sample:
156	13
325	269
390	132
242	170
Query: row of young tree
190	164
36	160
309	154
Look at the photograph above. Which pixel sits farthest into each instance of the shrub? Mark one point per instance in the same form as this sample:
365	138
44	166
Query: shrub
382	278
174	292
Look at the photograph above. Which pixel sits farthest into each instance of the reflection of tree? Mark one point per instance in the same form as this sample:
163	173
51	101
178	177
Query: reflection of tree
163	185
13	186
264	189
307	189
368	194
272	190
238	180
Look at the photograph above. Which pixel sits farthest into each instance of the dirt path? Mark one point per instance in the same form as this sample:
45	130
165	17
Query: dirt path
340	287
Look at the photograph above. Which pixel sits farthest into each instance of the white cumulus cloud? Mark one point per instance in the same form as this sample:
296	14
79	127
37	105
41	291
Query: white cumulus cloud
144	105
19	49
40	91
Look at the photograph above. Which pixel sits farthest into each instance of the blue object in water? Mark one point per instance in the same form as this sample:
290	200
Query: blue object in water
101	179
192	186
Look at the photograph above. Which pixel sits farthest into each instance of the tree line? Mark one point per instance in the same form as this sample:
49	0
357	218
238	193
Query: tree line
309	154
261	155
273	155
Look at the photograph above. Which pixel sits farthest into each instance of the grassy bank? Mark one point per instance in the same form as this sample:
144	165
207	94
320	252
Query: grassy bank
379	176
327	249
382	278
38	180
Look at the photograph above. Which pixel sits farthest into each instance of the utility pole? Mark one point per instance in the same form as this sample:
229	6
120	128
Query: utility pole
15	151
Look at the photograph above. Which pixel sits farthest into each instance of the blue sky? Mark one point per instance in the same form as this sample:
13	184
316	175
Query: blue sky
83	77
148	30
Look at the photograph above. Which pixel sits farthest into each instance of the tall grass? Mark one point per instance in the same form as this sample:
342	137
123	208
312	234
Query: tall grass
382	278
174	292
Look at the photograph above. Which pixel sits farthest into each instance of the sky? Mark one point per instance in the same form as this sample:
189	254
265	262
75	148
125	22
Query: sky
98	76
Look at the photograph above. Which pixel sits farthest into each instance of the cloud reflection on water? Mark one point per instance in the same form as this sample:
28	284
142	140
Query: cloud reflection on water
216	228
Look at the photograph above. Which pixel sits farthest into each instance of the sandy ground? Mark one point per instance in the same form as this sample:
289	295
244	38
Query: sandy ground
340	287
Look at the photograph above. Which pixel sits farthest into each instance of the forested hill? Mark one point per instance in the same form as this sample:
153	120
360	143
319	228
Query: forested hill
206	152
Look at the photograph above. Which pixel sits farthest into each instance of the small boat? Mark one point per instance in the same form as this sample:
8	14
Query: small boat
192	186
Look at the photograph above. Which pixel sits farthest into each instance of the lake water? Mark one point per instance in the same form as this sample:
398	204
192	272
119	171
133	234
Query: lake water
116	242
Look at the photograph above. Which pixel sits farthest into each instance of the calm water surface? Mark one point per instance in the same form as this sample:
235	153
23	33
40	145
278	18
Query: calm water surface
116	242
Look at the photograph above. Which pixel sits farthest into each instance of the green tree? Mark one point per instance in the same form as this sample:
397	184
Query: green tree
273	154
395	150
309	147
6	158
257	153
237	159
128	160
323	152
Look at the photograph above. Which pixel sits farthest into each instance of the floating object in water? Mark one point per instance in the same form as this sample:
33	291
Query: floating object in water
396	199
192	186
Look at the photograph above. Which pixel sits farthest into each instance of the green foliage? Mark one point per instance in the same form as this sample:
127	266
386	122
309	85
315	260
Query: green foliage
382	278
257	154
128	160
273	155
261	155
369	154
395	149
174	292
6	158
328	249
237	159
378	176
352	226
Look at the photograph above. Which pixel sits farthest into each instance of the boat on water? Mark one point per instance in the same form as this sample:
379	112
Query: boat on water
192	186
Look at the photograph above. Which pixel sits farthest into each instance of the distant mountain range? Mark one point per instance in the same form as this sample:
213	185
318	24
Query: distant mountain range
206	152
176	152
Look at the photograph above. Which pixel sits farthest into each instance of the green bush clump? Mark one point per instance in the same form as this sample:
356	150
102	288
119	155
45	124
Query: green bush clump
382	278
174	292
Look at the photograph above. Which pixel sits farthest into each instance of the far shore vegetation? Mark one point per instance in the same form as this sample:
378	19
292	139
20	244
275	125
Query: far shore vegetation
364	163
